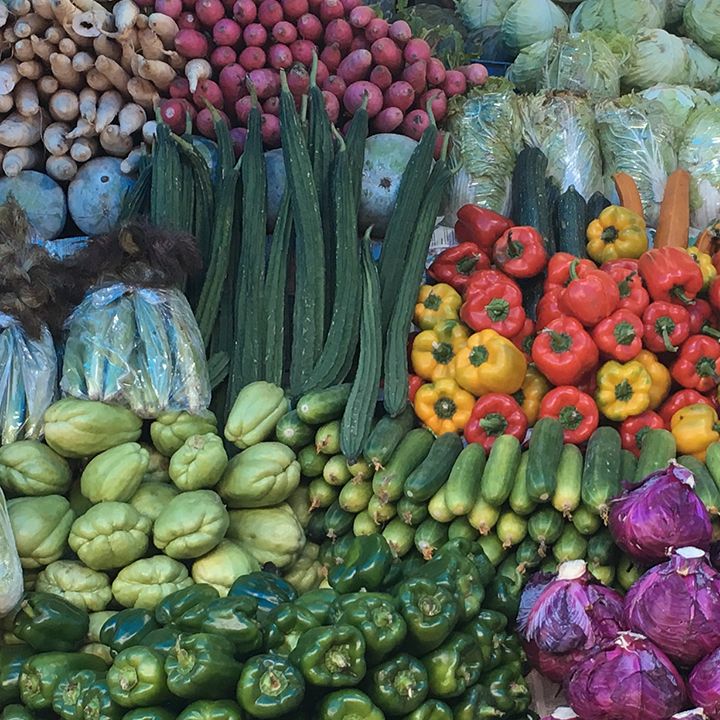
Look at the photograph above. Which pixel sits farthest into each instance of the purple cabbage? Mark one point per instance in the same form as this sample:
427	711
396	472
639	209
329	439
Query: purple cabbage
629	678
662	514
677	605
704	684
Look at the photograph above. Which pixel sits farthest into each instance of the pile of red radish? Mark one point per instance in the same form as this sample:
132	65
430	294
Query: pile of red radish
230	42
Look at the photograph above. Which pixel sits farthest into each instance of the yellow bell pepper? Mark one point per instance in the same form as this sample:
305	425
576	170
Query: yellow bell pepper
436	303
704	261
659	375
616	233
490	362
623	389
443	406
434	352
534	388
694	428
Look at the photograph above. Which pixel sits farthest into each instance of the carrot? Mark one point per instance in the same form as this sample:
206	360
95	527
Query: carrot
55	138
44	9
628	193
709	239
114	142
67	46
674	221
83	61
4	14
19	131
88	104
151	44
9	76
131	118
108	107
47	86
103	45
30	24
62	69
83	129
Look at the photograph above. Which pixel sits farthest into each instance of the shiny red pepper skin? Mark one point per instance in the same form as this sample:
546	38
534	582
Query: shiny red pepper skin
698	363
666	325
524	339
634	428
480	226
591	295
548	309
678	401
520	252
714	292
619	336
576	411
455	265
493	415
558	269
497	306
701	315
633	295
670	274
415	382
480	279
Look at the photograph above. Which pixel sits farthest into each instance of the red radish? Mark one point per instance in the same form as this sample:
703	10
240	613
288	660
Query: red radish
361	16
242	109
377	28
416	75
331	56
315	6
208	91
400	32
475	74
335	85
188	21
266	82
355	66
270	129
171	8
255	35
209	11
284	32
204	122
322	73
222	56
435	72
415	124
245	12
302	51
191	44
355	93
310	27
438	101
232	82
252	58
280	57
339	31
400	95
294	9
360	42
416	49
386	52
238	136
272	106
173	113
179	88
350	5
298	80
388	120
270	12
331	10
332	106
381	77
226	32
455	83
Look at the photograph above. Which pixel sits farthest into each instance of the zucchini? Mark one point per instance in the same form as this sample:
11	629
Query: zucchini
601	548
438	509
658	449
429	536
511	529
493	548
568	487
321	406
529	192
585	521
400	537
336	471
532	290
355	496
292	431
381	511
571	211
545	526
410	512
327	438
315	530
519	499
364	524
628	465
321	494
595	205
460	527
705	487
483	516
712	460
413	449
552	193
386	436
463	485
426	479
311	461
337	522
500	470
601	473
571	545
546	446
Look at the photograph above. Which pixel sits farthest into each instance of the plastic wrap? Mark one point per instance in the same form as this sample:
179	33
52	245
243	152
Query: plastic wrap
11	575
563	127
28	380
137	347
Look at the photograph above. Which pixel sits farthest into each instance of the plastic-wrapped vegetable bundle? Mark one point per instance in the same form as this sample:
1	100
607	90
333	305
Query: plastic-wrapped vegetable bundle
679	101
563	127
11	576
618	15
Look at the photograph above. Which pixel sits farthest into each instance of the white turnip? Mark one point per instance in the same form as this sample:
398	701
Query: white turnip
131	118
108	107
195	71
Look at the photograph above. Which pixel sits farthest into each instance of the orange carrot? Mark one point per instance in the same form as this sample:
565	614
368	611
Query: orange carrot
674	222
628	193
709	239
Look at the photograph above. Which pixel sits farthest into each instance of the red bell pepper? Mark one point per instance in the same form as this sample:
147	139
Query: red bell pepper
415	382
588	383
698	363
493	415
480	279
558	269
620	335
629	264
670	274
576	411
633	295
564	352
480	226
497	306
678	401
633	429
520	252
714	293
666	326
455	265
591	295
701	314
524	339
548	308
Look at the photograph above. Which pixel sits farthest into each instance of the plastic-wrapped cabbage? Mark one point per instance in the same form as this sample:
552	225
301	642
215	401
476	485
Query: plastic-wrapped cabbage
223	565
563	127
85	588
679	101
529	21
636	138
528	70
674	14
701	19
487	138
700	155
146	582
618	15
704	70
657	57
11	575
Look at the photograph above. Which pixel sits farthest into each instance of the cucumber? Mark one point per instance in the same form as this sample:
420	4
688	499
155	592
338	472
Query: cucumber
463	485
601	473
361	470
413	449
315	530
545	526
336	471
604	574
410	512
386	436
381	511
508	568
546	446
527	555
585	521
519	500
601	548
568	487
571	545
484	516
511	529
400	537
493	548
311	462
327	438
570	212
500	470
628	572
355	496
595	205
529	191
461	528
552	192
364	524
438	509
658	449
321	406
429	536
549	565
337	521
705	487
292	431
712	460
628	465
426	479
320	494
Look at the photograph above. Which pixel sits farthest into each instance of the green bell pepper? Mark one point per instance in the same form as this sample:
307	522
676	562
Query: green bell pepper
68	693
331	656
364	565
398	685
41	674
475	704
431	710
96	703
284	626
12	658
430	611
212	710
319	603
185	609
137	678
268	589
48	622
202	667
127	628
454	666
149	713
163	639
349	705
503	594
484	630
16	712
507	689
234	619
270	686
376	616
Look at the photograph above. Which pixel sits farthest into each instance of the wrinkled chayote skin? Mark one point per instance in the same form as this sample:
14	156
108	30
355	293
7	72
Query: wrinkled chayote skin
223	565
307	572
151	498
146	582
157	470
28	467
115	475
79	585
199	463
255	413
172	429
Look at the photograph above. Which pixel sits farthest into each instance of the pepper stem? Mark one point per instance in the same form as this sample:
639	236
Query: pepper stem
710	331
494	424
497	309
679	292
445	408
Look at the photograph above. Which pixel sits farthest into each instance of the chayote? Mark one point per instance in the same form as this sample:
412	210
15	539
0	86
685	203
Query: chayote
115	475
255	413
223	565
146	582
27	467
99	650
83	428
79	585
97	620
41	526
192	524
172	429
307	572
299	501
199	463
110	535
78	502
263	475
272	535
157	470
151	498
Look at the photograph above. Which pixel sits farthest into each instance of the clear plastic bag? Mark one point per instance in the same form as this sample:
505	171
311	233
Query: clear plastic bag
11	576
136	347
28	380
